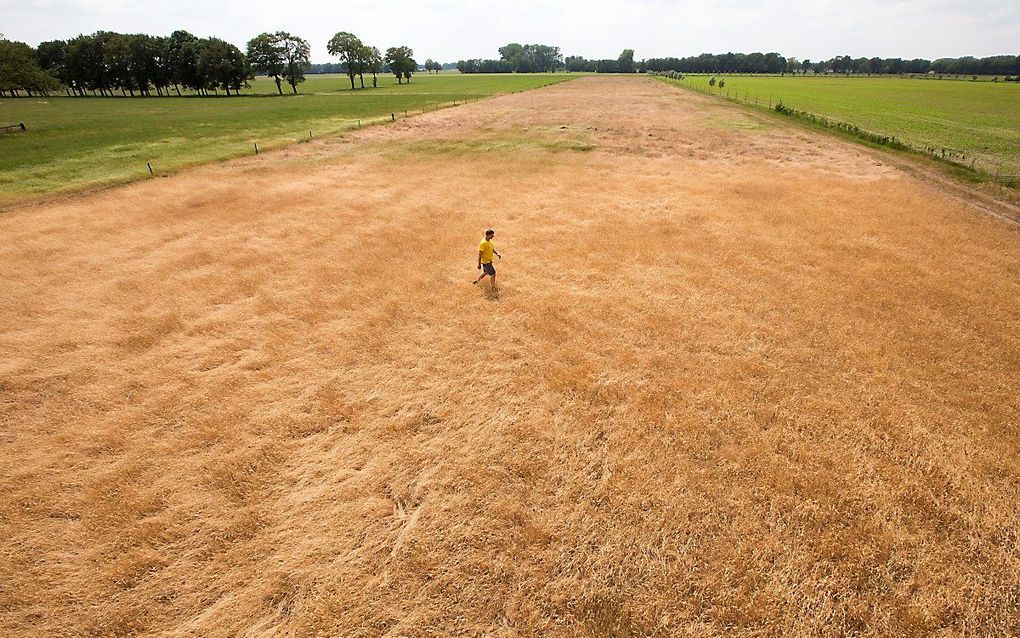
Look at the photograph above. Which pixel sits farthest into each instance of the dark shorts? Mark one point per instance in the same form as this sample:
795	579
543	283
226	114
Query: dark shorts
489	268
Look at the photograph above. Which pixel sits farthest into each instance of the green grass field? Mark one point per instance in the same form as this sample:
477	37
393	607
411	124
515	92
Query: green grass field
76	143
978	119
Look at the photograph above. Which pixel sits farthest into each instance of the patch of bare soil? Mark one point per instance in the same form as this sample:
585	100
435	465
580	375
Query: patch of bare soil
740	378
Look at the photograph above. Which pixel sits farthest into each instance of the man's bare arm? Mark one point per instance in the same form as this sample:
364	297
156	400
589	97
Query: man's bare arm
479	260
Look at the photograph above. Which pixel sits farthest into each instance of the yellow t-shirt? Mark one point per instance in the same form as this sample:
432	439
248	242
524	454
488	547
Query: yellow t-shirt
486	248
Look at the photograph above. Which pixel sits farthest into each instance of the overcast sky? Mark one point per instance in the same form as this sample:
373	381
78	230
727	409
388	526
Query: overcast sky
450	30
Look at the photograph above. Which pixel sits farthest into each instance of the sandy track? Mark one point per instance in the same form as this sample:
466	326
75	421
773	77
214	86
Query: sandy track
742	379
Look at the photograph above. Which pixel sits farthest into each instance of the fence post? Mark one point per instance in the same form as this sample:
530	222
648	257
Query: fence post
149	165
256	148
393	117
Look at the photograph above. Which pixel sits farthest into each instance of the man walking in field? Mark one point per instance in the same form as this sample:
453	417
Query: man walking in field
485	252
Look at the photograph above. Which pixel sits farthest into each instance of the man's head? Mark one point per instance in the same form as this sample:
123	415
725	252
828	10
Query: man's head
489	234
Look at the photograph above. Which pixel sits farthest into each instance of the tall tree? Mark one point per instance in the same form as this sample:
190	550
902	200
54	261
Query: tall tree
117	60
347	47
401	62
511	51
181	59
545	58
774	63
144	50
222	65
266	56
363	62
52	57
86	62
20	70
375	65
162	77
296	54
625	63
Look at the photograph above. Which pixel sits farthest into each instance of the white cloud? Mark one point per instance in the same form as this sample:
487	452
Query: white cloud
449	30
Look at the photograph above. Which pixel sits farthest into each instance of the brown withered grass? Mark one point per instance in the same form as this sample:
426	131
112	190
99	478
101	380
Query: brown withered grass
741	379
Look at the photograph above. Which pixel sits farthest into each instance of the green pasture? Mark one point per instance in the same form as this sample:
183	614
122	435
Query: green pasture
980	120
75	143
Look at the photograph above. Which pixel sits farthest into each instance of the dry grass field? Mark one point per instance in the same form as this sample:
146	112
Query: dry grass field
742	379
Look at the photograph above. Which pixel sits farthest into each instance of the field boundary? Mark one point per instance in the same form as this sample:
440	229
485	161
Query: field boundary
938	174
256	148
952	159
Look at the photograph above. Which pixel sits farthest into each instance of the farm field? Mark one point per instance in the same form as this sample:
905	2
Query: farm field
75	143
742	378
978	119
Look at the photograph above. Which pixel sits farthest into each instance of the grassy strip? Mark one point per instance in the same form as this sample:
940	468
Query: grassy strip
74	144
951	160
852	131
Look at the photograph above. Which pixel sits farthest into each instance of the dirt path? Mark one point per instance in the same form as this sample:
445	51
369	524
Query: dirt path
742	378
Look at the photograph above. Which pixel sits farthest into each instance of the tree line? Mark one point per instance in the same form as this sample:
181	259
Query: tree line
536	58
517	58
358	58
720	63
623	64
776	63
106	62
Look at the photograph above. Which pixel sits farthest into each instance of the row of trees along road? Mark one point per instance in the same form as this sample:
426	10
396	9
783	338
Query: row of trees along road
105	62
358	58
